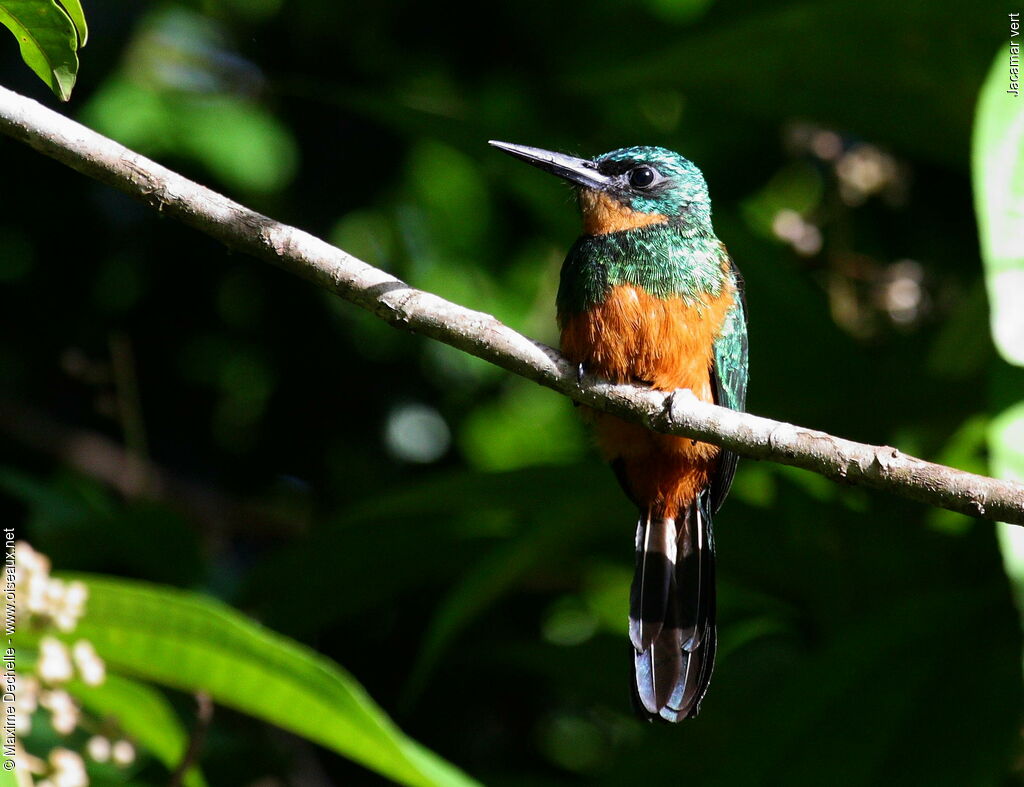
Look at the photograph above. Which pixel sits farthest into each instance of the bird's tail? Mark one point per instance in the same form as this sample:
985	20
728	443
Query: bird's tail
672	613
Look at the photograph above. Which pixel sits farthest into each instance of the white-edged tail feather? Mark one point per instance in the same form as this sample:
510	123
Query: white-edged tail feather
672	613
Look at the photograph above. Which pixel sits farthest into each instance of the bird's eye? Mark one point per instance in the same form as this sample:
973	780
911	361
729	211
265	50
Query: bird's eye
642	177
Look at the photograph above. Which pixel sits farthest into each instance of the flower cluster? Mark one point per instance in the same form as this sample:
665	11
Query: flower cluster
65	769
43	599
53	606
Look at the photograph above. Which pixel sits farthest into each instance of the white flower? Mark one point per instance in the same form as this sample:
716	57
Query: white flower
90	666
64	723
22	723
64	712
40	595
68	605
68	769
98	748
29	762
27	692
31	580
123	753
27	562
76	596
54	662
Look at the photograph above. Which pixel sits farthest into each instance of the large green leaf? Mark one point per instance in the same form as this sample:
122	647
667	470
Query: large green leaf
998	175
49	37
140	712
190	642
144	714
998	172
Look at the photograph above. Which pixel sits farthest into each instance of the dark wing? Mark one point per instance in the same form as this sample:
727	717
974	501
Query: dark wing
729	378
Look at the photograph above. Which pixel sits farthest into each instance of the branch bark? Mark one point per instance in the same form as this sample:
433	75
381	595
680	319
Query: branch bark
402	306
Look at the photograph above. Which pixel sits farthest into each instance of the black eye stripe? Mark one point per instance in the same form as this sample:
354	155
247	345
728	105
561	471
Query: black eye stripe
625	171
618	167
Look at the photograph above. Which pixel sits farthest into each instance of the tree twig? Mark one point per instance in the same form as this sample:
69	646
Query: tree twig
196	740
878	467
214	511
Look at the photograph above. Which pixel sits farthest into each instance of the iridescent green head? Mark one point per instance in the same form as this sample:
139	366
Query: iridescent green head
629	188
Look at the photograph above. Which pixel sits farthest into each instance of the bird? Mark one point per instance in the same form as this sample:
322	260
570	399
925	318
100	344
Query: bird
648	295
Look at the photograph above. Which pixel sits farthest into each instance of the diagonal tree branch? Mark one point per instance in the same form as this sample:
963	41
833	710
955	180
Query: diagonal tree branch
402	306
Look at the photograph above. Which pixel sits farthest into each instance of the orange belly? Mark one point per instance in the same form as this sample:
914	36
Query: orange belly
668	344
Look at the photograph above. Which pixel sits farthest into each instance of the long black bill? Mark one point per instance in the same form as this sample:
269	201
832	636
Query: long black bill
575	170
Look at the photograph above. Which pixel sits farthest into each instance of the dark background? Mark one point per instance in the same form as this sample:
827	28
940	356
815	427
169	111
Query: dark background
444	530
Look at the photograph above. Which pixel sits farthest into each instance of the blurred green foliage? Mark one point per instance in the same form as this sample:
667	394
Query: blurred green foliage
443	530
998	170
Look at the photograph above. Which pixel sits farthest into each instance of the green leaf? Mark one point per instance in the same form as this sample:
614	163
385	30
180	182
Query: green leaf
1006	446
1006	441
140	711
73	8
144	714
998	173
190	642
49	39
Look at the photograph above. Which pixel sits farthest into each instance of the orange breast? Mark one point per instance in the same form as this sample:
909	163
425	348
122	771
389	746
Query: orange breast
668	344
